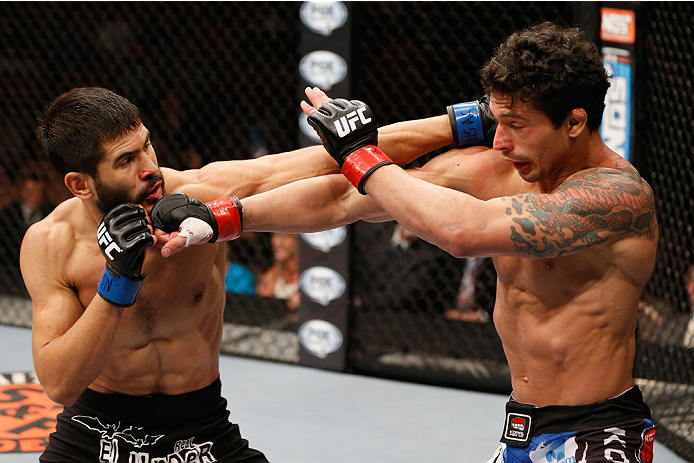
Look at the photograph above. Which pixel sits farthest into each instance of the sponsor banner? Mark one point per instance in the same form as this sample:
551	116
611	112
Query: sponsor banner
324	283
27	415
325	55
618	36
320	338
617	121
326	240
323	17
323	68
324	257
617	25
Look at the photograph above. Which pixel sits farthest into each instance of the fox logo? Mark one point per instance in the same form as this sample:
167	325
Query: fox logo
348	123
106	241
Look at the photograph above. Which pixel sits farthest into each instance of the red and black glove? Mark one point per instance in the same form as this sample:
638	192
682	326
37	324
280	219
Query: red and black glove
224	215
349	133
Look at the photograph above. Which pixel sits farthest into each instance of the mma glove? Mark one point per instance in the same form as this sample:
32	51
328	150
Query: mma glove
472	123
222	219
349	133
123	237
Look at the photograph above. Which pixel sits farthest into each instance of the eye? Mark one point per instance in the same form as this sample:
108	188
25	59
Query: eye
126	161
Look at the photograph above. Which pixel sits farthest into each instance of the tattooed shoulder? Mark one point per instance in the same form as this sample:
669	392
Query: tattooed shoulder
589	208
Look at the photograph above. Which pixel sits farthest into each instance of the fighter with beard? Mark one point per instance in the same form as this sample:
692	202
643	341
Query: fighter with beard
121	334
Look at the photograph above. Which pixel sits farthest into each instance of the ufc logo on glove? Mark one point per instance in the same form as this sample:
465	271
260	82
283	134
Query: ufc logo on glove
348	123
106	240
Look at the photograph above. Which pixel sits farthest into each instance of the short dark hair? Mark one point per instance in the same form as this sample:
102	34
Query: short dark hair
74	127
556	69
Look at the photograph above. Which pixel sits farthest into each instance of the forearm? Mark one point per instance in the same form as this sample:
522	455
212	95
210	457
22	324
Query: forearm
439	215
309	205
405	141
71	362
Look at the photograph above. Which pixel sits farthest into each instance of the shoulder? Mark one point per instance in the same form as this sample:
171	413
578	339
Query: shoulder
477	170
617	199
622	184
204	183
52	239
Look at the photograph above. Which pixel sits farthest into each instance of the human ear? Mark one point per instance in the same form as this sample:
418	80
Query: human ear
79	184
577	121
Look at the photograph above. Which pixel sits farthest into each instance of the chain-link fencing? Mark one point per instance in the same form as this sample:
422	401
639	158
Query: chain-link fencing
218	81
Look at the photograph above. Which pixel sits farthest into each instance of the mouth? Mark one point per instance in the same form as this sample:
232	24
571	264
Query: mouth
155	192
518	165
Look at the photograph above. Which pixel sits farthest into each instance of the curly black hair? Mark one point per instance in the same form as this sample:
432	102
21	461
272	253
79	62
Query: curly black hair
556	69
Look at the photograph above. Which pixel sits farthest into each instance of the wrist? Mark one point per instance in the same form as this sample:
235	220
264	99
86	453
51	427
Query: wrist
228	214
360	164
466	124
119	290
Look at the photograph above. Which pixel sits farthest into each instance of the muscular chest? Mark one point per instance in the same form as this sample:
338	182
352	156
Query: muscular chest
547	282
176	292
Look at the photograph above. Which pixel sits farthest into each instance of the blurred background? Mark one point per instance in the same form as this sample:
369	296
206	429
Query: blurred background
221	81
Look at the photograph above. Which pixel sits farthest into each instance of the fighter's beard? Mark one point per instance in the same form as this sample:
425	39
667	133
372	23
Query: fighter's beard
110	197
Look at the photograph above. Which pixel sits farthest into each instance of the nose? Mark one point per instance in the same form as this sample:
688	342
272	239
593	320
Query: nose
149	167
501	141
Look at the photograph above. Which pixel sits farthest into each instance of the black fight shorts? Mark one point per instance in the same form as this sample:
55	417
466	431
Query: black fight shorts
619	429
112	428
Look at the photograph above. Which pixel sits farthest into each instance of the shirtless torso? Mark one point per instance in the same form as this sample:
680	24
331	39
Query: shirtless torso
567	322
168	341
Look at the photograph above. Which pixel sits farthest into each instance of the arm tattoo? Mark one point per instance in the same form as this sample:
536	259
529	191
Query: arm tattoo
584	211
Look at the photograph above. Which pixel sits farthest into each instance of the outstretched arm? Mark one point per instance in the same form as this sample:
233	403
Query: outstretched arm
591	207
405	140
327	201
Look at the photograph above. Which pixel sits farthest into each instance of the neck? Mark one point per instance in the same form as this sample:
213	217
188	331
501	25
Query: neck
587	151
92	212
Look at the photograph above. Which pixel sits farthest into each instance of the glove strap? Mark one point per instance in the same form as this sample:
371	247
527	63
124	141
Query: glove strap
362	163
466	124
119	290
229	214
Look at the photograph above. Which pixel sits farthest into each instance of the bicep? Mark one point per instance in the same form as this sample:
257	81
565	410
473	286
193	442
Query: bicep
54	311
570	220
55	306
248	177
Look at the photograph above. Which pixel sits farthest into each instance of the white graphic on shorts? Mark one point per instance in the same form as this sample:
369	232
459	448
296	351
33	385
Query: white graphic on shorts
184	450
558	451
132	435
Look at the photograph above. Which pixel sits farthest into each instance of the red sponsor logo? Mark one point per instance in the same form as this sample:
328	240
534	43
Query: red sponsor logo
618	25
518	424
646	450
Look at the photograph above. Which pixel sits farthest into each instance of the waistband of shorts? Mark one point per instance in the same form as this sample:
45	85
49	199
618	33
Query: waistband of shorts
156	407
627	406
